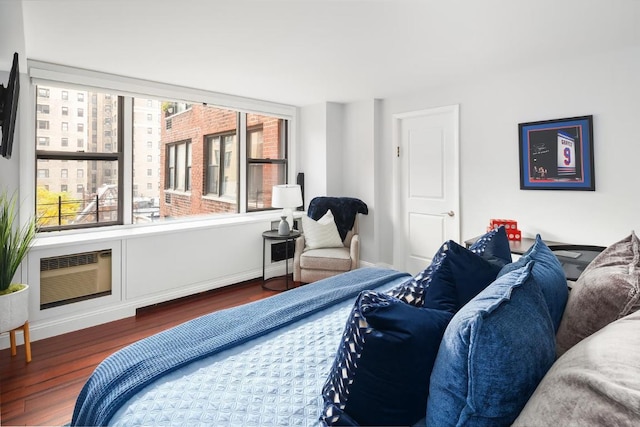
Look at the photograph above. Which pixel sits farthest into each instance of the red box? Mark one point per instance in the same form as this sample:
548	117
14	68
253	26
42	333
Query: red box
509	224
514	234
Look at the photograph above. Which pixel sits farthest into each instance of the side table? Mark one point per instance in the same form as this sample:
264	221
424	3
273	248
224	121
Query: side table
517	247
574	258
273	235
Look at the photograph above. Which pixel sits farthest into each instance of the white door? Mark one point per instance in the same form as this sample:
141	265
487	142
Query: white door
427	185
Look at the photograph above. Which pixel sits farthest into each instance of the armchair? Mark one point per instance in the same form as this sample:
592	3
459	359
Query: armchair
312	264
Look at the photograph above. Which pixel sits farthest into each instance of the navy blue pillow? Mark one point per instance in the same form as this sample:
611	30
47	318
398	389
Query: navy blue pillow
413	290
380	375
460	277
493	354
548	272
455	276
494	247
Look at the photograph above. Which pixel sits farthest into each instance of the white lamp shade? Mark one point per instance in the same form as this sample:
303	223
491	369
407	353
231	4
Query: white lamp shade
286	196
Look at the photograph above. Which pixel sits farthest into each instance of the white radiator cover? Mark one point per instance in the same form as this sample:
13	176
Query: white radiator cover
73	276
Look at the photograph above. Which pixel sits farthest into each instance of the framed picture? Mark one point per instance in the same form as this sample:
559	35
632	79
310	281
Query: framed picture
557	154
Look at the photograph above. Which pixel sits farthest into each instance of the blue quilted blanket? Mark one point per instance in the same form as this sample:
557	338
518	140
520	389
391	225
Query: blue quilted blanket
127	371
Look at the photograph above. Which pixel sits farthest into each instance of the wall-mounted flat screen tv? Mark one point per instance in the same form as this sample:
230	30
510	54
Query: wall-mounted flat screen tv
9	108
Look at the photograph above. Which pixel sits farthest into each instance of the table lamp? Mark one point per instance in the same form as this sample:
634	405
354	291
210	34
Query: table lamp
286	196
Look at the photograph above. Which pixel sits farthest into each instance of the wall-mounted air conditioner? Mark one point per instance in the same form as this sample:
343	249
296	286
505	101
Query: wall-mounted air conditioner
76	277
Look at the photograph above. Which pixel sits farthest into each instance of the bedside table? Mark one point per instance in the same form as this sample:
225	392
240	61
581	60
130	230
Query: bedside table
272	235
574	258
517	247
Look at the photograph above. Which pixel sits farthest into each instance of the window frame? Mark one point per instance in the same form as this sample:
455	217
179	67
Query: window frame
186	168
70	79
222	164
267	161
84	156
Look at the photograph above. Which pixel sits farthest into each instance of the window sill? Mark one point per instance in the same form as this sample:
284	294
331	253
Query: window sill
184	193
123	232
230	200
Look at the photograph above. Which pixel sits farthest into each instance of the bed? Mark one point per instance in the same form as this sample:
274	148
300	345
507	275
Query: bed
263	363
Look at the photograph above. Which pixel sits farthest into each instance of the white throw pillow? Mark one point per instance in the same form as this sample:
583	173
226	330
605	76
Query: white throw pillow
322	233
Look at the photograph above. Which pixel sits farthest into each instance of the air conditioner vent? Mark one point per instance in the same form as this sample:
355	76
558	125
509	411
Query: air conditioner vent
75	277
47	264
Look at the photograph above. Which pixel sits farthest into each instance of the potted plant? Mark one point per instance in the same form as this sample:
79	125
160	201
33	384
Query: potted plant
15	242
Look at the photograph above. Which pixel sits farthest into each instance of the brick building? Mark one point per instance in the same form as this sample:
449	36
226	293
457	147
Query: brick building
200	160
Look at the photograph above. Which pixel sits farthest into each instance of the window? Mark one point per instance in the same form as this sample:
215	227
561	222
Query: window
63	188
65	111
222	165
266	158
178	166
43	93
65	95
75	209
43	140
42	108
162	173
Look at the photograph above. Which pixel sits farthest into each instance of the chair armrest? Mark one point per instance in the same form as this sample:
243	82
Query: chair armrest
354	251
296	258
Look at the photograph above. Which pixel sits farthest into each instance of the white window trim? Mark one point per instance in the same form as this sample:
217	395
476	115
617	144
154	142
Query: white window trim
43	73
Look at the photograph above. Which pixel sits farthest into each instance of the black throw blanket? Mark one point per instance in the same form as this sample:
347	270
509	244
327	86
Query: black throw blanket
344	211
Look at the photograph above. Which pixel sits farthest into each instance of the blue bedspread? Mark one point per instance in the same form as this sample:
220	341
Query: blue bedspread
127	371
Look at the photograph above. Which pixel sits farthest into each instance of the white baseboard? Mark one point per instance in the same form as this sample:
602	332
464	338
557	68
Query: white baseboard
69	323
74	322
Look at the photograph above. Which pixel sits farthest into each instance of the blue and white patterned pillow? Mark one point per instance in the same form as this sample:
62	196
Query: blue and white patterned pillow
455	276
494	247
413	291
382	367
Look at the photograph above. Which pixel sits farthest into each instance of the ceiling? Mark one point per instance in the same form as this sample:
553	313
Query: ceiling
304	52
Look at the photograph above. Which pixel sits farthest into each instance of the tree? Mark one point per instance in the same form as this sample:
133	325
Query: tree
49	202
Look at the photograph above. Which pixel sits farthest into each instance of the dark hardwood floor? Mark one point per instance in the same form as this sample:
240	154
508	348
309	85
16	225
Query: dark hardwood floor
44	391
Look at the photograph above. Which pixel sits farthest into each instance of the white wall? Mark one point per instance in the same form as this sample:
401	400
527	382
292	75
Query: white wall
321	149
359	152
12	36
604	85
338	147
312	150
9	167
334	155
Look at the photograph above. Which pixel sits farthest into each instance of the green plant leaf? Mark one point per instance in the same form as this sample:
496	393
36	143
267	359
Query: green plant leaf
15	240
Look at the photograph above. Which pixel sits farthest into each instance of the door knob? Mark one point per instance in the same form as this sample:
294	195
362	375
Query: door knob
450	213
